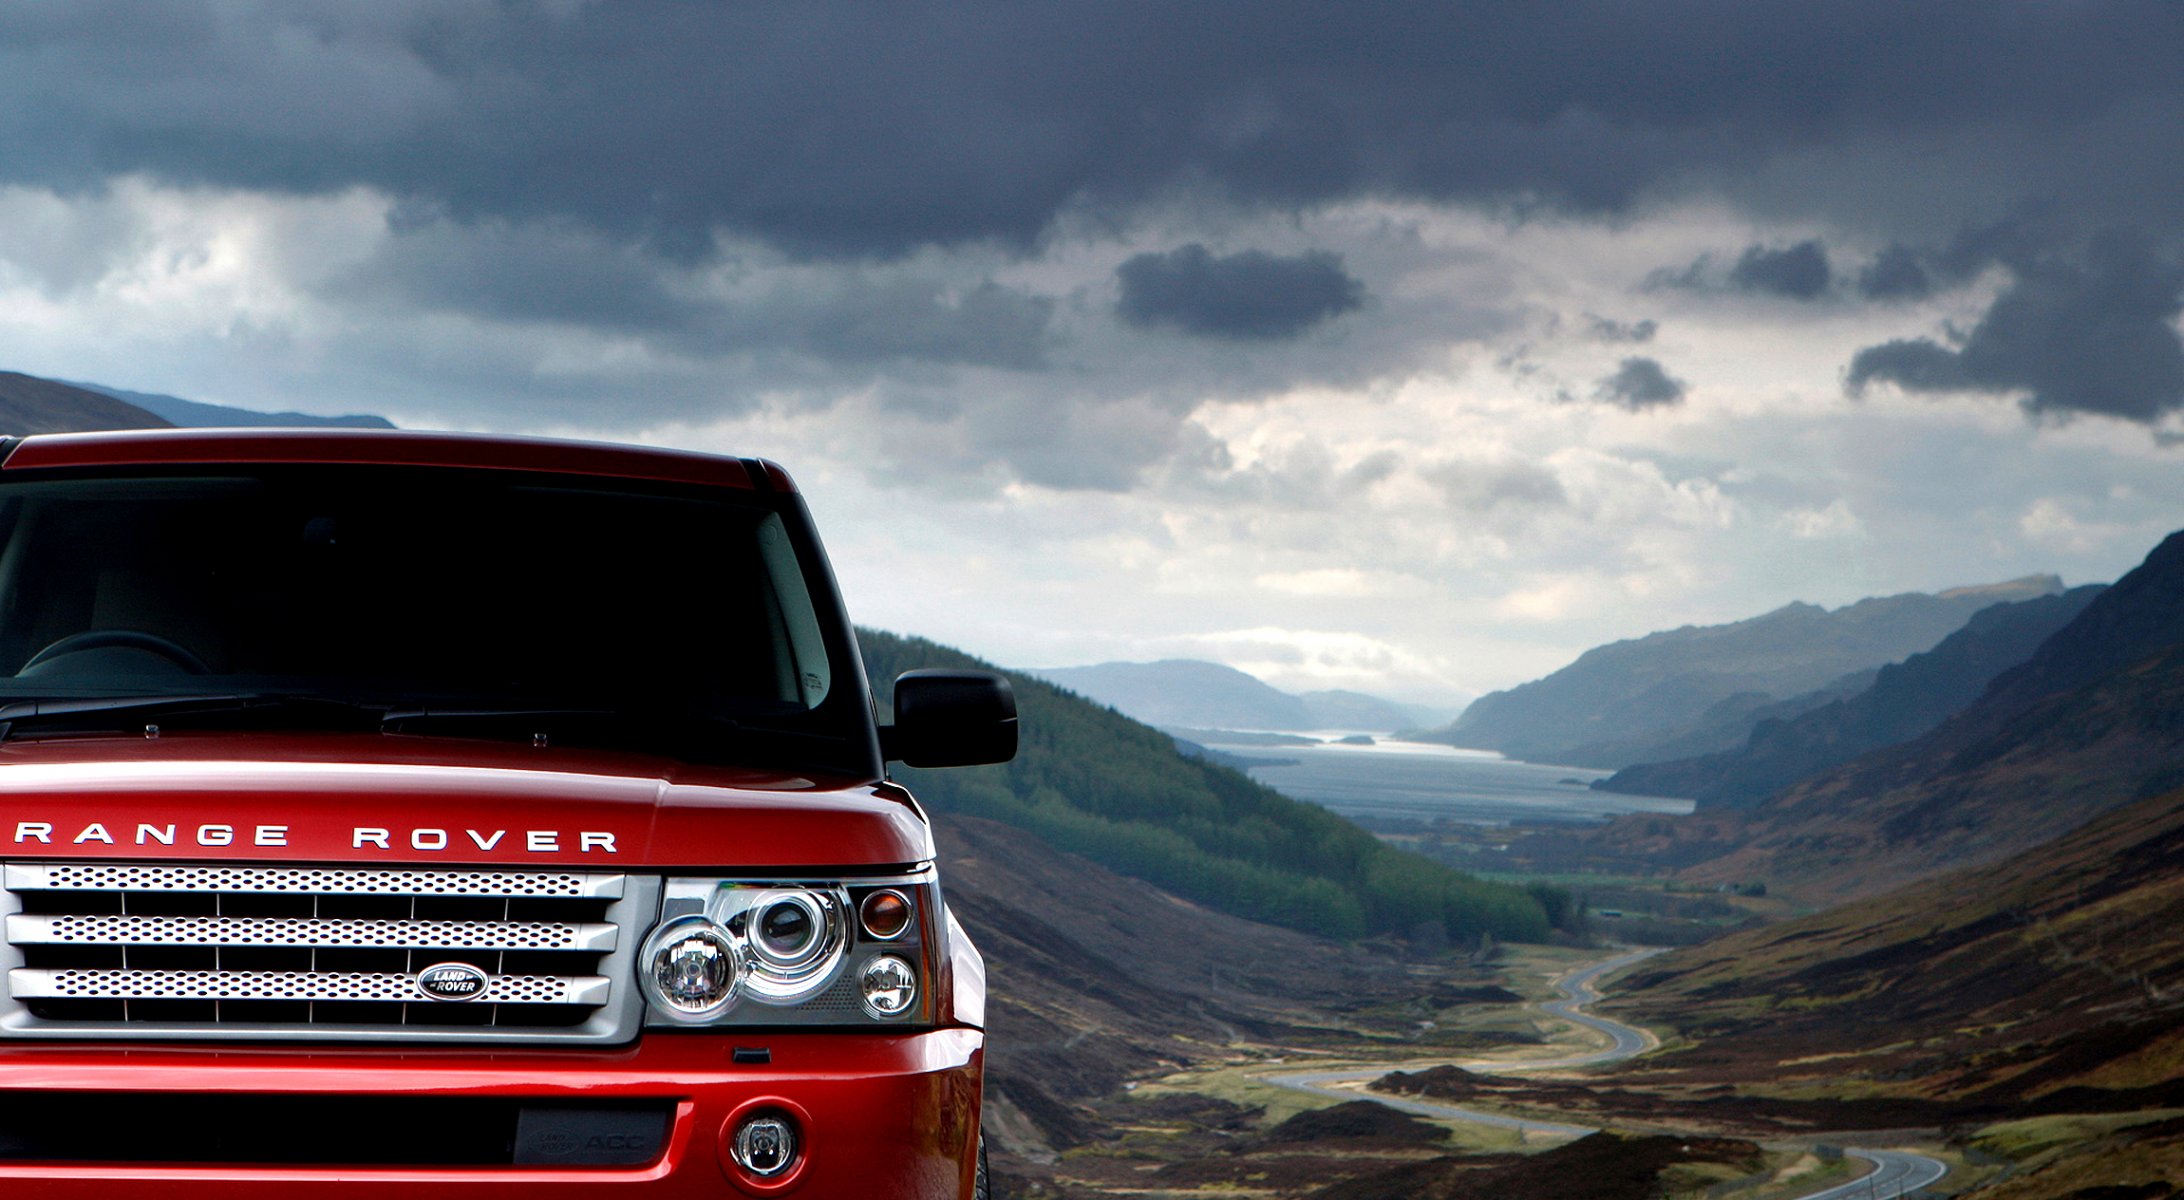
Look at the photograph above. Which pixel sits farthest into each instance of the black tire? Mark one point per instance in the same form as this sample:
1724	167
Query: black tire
982	1186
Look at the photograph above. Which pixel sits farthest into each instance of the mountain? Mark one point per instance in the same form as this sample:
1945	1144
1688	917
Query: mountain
1190	694
2088	723
2044	984
1093	782
1184	693
1355	710
1619	703
1905	700
29	405
195	414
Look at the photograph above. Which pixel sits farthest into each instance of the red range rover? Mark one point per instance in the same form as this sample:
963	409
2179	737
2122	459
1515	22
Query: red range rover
383	812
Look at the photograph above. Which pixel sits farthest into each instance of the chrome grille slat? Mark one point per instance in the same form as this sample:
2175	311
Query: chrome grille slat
154	950
314	933
323	986
308	881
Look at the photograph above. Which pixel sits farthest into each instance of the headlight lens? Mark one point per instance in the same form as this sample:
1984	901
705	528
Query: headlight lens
890	985
796	937
692	969
803	953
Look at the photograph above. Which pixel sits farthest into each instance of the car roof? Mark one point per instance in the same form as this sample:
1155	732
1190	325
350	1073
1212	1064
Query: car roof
388	447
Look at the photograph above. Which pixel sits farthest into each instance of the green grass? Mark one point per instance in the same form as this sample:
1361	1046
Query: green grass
2025	1141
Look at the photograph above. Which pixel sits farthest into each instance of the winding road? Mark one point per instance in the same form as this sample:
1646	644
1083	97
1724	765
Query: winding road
1895	1173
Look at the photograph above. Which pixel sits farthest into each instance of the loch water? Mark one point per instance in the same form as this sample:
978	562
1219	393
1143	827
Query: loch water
1425	783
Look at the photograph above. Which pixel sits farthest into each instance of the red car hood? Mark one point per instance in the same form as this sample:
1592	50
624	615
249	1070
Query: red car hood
375	798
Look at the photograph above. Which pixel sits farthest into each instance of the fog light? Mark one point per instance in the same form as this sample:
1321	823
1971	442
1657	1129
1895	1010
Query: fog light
885	915
692	969
890	986
765	1145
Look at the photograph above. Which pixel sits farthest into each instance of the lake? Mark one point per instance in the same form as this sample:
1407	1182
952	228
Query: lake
1418	781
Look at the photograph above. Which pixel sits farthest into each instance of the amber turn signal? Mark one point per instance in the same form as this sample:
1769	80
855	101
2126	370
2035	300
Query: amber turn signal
885	914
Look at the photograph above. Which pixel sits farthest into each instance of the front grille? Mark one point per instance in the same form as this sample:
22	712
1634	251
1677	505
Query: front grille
154	950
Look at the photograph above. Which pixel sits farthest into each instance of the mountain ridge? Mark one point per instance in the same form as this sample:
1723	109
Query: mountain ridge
30	404
1904	700
197	414
1188	693
1618	702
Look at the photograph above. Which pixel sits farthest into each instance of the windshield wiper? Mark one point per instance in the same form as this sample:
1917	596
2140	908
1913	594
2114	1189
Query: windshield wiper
102	714
687	734
531	723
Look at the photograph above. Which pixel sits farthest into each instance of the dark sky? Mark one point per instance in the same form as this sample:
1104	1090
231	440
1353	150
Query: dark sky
1149	252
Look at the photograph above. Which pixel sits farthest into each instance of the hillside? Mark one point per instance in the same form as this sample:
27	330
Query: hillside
29	405
2088	723
1181	693
1618	704
1093	782
1905	700
2050	982
1077	1006
197	414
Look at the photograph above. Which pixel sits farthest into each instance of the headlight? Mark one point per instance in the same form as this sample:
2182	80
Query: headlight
796	938
692	969
793	953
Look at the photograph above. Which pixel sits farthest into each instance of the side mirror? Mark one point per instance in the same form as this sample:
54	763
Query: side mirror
951	719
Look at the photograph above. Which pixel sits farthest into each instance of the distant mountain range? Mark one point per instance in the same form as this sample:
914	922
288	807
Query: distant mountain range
2092	720
1702	689
1195	695
195	414
1905	700
30	404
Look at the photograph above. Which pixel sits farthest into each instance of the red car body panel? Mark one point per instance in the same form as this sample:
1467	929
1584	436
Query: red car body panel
886	1116
439	800
382	447
885	1113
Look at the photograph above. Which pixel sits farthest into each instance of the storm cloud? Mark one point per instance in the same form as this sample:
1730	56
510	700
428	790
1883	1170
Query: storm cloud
1639	384
853	130
1799	272
2091	333
1251	295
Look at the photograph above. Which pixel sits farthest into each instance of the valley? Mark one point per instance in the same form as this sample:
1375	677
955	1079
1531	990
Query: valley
1949	963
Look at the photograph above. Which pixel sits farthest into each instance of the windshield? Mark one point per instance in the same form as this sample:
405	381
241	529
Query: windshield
417	588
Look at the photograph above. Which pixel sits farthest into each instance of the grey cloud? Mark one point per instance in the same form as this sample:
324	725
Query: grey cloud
1480	488
563	275
2073	333
1250	295
1639	384
1602	329
1799	272
1908	272
1895	274
834	128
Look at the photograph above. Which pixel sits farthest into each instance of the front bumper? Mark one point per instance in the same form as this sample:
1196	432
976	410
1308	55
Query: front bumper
882	1115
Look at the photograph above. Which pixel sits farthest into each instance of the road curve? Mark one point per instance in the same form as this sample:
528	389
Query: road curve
1578	988
1895	1173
